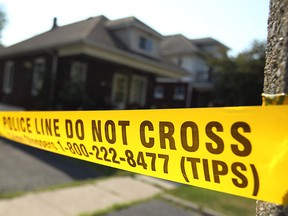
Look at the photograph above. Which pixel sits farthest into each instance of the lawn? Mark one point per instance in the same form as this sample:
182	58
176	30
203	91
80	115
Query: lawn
221	202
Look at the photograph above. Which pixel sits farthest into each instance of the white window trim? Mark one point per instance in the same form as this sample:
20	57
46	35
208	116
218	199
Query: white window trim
134	85
77	80
37	77
83	67
121	104
8	79
148	44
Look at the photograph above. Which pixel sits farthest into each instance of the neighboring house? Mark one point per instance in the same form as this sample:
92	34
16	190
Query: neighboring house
192	55
92	64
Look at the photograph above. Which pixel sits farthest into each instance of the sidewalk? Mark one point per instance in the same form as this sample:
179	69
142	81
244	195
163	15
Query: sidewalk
86	198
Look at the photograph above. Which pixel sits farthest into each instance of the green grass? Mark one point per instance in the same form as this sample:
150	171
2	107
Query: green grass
10	195
221	202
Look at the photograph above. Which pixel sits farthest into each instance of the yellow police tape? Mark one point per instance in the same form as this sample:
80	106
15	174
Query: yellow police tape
241	150
274	99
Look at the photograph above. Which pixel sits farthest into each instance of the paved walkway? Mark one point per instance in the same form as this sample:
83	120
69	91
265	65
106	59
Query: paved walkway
86	198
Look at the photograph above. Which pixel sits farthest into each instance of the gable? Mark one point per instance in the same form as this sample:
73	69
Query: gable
136	36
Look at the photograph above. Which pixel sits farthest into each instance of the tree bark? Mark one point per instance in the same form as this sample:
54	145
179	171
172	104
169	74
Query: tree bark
276	67
276	76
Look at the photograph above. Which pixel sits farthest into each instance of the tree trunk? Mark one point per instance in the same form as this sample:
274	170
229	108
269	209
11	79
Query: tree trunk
276	76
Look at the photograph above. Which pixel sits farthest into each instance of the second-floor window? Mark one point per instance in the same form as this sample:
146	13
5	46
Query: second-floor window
145	44
38	76
8	78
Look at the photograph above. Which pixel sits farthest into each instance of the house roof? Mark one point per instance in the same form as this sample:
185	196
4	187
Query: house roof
62	36
177	44
92	36
131	21
207	42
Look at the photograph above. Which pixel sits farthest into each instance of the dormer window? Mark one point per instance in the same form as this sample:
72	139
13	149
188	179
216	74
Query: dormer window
145	44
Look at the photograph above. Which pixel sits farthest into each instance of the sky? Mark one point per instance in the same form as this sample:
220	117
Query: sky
235	23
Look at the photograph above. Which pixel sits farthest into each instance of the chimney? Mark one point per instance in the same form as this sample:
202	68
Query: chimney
54	23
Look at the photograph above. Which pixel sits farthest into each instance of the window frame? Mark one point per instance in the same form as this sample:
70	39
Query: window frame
145	44
8	77
123	90
179	93
80	71
77	78
38	75
133	88
159	92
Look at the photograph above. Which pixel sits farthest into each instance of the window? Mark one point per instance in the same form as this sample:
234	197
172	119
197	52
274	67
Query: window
138	90
78	73
179	93
38	76
77	80
159	92
203	76
119	91
8	77
145	44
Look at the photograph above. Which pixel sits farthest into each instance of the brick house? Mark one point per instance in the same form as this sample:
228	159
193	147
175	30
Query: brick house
99	63
96	63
